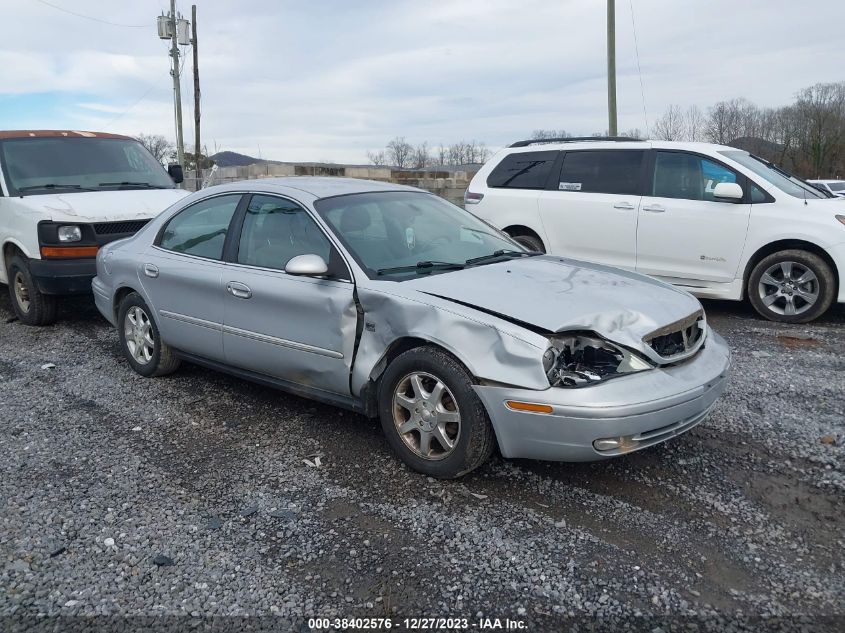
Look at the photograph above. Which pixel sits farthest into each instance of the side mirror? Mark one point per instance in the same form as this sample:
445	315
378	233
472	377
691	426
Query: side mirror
311	265
727	191
175	172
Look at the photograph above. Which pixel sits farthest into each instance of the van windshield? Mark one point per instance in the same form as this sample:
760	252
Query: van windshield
34	166
781	179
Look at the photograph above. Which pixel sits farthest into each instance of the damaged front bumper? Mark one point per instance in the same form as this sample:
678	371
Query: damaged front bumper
613	418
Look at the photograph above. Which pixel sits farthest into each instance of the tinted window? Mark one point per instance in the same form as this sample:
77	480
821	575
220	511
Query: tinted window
757	194
200	229
277	230
686	176
523	170
597	171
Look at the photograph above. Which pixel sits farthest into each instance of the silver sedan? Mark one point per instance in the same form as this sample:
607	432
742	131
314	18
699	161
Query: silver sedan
397	304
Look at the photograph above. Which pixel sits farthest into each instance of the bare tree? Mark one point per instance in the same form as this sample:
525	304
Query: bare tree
421	157
542	135
377	158
442	154
670	127
400	152
694	124
158	146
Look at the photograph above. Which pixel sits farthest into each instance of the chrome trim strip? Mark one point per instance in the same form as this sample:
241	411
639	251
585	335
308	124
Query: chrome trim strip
281	342
184	318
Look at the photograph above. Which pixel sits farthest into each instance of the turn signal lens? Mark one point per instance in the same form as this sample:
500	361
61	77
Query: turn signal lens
531	407
841	218
68	252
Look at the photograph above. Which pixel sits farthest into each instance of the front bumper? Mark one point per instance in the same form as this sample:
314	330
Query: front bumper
640	410
63	276
103	300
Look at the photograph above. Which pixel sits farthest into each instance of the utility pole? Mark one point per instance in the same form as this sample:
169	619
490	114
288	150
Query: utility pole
197	154
177	89
611	67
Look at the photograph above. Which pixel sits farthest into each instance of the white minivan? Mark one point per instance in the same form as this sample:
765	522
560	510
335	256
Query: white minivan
711	219
63	194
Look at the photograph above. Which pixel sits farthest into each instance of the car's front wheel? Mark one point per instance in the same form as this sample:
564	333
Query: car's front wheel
431	415
531	242
139	338
792	286
31	305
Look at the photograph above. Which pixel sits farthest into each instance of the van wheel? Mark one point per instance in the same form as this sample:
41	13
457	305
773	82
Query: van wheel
31	306
530	242
432	417
791	286
140	340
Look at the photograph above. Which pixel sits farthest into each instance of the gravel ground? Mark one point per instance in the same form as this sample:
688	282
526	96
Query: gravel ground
189	495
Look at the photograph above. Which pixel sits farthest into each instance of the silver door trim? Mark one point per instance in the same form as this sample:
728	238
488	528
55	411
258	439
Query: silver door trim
281	342
184	318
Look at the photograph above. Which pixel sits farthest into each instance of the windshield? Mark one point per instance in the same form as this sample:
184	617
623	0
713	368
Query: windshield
35	166
836	186
399	235
779	178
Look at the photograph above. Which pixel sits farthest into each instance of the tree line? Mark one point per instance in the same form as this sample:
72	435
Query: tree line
402	154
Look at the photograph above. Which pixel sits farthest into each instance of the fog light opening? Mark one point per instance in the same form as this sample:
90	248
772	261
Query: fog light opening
607	444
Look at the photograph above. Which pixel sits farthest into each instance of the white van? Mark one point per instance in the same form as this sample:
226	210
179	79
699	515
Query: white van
63	194
711	219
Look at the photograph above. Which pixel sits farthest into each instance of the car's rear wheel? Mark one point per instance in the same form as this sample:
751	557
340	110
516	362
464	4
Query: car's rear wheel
531	242
431	415
139	338
792	286
31	305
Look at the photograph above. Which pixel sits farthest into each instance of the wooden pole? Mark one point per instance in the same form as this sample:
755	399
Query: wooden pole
197	145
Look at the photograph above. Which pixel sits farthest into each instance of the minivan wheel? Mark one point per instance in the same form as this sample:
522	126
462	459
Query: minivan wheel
791	286
431	415
31	306
530	242
139	338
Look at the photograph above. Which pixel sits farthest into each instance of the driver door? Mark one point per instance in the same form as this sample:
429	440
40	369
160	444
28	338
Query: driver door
295	328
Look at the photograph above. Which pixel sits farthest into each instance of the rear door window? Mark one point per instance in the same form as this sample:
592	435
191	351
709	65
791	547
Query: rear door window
523	170
602	171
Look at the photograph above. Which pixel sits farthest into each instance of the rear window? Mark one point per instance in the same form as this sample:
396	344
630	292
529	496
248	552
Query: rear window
523	170
599	171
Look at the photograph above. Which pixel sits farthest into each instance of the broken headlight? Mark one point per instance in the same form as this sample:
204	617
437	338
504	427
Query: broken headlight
582	359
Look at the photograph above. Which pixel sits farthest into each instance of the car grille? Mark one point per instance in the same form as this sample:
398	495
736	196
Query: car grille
681	338
112	228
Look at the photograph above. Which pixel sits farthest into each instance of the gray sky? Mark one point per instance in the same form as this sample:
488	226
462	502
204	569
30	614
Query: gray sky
329	80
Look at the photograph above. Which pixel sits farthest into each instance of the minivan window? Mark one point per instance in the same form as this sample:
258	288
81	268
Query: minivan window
276	230
774	175
523	170
602	171
72	164
200	230
688	176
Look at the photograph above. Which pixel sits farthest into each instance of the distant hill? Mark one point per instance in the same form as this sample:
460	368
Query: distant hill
233	159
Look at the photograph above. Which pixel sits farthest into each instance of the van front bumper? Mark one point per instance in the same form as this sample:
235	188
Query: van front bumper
619	416
63	276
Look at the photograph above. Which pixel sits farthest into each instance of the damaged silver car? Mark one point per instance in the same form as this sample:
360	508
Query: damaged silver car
392	302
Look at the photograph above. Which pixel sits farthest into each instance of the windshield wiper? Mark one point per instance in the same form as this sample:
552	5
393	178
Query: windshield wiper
53	185
127	183
424	266
504	252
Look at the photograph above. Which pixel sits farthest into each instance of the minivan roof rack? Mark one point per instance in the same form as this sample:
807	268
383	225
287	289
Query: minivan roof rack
572	139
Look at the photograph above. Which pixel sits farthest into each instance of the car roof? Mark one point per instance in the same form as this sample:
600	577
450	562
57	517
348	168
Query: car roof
317	186
622	144
58	133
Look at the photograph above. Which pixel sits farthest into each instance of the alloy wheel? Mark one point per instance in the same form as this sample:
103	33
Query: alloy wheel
788	288
426	415
138	333
21	292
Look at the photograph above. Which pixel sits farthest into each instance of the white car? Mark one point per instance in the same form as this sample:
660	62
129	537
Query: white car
64	194
711	219
835	187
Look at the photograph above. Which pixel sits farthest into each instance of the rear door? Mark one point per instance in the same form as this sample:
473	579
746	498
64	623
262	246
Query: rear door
684	234
296	328
182	276
590	210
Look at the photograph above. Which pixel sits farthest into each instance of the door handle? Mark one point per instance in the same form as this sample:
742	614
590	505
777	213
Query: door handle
239	290
151	270
623	205
655	208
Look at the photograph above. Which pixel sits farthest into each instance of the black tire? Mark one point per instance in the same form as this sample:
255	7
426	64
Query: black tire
531	242
31	306
162	360
475	440
824	286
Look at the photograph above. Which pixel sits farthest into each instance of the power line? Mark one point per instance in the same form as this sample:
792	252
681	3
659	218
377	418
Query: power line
639	70
88	17
137	101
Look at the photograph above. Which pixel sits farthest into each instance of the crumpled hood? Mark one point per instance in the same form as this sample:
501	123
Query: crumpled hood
102	206
560	294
